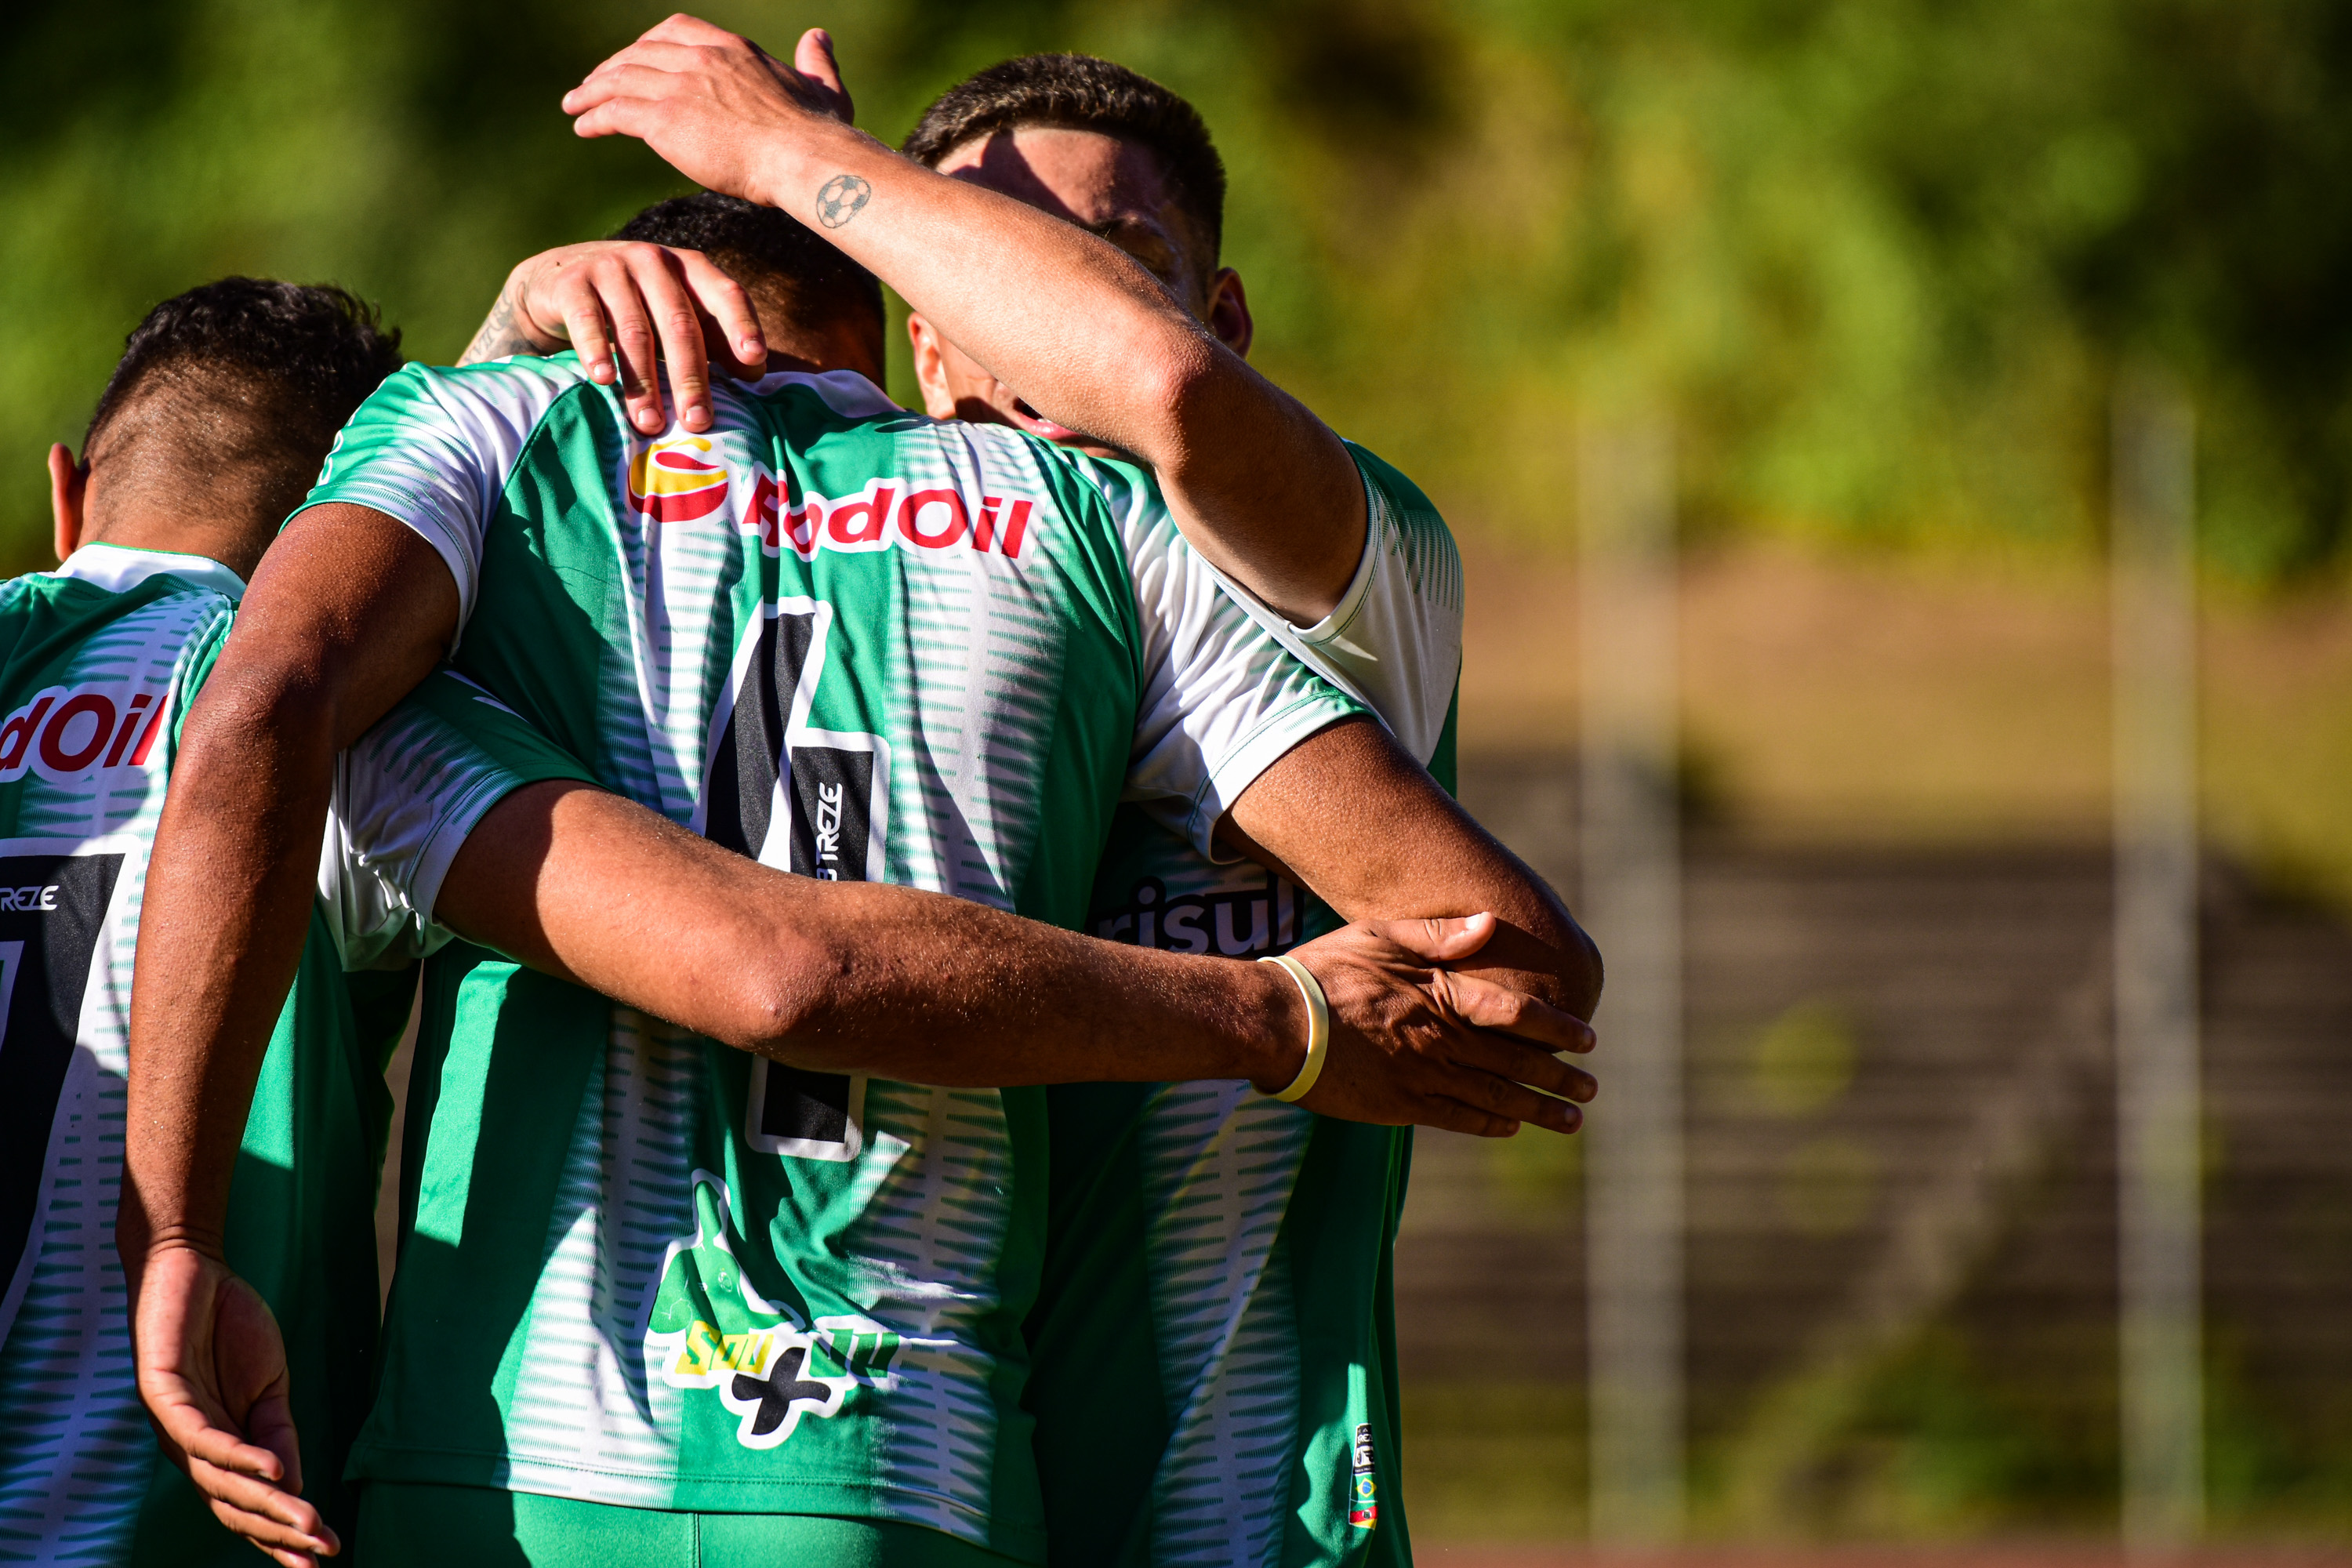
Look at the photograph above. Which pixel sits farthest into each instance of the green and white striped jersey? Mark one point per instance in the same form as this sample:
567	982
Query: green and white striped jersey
102	657
854	644
1215	1352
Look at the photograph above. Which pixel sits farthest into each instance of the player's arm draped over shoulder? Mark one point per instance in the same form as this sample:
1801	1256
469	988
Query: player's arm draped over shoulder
614	302
1262	487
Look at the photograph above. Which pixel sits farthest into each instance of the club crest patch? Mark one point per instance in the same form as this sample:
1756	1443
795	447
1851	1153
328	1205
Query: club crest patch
707	1328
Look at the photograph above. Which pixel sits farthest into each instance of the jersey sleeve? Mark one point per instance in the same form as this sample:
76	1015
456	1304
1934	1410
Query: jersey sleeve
188	676
435	448
1395	637
1222	698
407	793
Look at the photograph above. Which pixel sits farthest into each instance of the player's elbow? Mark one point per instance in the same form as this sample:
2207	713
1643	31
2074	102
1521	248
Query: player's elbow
779	1005
256	714
760	1009
1573	970
1181	394
1580	973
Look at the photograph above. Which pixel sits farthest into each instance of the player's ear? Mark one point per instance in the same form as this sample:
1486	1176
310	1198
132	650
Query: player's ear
1229	312
930	367
68	485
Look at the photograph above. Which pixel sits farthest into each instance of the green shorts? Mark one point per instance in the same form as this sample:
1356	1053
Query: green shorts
402	1525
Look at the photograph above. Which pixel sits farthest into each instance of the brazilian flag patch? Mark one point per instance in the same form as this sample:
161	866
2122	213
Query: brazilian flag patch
1363	1502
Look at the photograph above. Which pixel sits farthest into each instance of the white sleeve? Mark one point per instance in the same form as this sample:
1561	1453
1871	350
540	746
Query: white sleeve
1395	637
373	925
406	796
1221	698
435	448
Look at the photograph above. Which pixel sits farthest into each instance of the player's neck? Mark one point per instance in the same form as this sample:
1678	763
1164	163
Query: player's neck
838	346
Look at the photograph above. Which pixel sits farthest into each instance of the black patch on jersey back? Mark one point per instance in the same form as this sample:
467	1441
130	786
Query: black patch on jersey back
813	1106
42	1018
830	828
833	797
743	772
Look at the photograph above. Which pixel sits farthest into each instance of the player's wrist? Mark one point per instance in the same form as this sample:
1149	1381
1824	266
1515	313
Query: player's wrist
151	1241
796	162
1277	1027
142	1248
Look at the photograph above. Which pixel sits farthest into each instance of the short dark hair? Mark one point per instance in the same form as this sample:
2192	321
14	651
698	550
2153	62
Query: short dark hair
260	376
766	251
1080	92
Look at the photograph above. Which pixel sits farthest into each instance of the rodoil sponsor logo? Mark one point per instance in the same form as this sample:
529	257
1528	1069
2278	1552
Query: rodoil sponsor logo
69	732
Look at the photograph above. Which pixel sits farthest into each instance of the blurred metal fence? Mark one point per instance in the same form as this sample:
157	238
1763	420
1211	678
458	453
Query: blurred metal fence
1902	1158
1901	1243
1632	892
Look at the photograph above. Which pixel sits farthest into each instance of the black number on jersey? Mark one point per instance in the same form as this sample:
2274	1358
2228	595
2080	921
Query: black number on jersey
831	789
52	908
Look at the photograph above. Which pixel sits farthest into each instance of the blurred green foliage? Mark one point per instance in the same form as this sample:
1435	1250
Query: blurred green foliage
1880	258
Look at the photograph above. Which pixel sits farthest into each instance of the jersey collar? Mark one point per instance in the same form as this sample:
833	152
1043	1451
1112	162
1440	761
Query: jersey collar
118	568
848	394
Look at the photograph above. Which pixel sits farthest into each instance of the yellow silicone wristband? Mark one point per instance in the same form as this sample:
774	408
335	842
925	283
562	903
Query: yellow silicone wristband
1319	1026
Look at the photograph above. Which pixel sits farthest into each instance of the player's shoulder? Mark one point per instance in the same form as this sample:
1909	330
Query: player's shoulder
1405	523
440	420
101	581
1389	486
516	376
845	404
520	389
110	610
842	397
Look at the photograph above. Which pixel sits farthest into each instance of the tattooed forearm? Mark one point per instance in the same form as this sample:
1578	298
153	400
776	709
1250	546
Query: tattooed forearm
498	336
841	198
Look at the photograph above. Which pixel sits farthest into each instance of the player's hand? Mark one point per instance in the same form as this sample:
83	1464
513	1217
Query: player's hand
1415	1041
709	102
605	294
212	1370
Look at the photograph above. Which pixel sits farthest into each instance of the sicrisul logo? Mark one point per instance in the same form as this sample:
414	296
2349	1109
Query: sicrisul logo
706	1327
673	480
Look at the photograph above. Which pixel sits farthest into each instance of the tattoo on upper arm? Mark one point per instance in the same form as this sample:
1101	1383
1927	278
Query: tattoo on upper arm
498	336
841	198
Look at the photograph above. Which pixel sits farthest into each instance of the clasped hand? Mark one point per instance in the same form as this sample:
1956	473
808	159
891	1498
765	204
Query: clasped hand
1415	1039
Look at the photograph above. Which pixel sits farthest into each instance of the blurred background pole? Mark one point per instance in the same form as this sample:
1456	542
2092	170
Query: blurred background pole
2157	1090
1631	858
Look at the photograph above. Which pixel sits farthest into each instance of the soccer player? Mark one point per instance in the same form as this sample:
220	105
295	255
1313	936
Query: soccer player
1226	1253
225	401
1124	157
890	649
